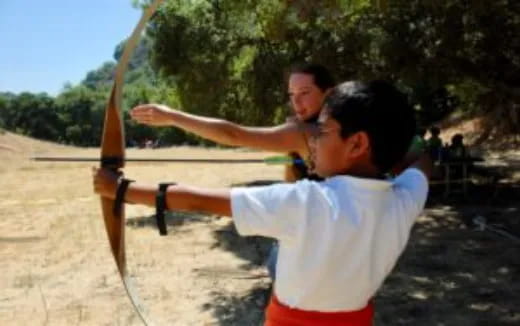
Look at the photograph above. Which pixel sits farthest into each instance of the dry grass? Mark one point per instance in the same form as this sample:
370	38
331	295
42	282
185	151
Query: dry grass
56	268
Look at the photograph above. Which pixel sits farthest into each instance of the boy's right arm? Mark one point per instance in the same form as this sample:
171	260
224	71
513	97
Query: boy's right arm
282	138
184	198
179	198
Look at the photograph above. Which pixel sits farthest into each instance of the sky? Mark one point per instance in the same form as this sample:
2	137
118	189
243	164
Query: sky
47	43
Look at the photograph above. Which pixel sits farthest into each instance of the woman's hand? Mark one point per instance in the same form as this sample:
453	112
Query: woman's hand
152	114
105	182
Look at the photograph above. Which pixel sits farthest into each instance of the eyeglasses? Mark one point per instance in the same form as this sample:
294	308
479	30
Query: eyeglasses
316	130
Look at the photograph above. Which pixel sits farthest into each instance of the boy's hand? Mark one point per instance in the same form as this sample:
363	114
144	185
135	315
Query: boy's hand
105	182
152	114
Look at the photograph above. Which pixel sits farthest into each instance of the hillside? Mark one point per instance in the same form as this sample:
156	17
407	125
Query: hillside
12	145
479	132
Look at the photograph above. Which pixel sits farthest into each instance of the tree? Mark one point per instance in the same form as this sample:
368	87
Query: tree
226	56
34	115
81	111
469	49
100	77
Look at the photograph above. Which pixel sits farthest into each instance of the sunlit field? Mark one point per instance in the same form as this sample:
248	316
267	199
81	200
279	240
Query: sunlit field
56	267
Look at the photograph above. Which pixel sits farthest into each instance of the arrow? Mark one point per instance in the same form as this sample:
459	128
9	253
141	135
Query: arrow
273	160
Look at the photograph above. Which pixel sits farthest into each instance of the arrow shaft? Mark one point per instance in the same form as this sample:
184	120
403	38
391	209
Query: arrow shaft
167	160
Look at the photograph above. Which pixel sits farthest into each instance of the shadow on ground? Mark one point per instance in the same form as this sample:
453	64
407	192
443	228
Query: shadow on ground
173	221
451	273
248	308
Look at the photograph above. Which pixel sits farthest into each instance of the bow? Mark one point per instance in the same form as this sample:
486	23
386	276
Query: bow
113	158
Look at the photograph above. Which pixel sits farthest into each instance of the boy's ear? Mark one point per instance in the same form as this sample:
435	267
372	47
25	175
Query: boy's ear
359	144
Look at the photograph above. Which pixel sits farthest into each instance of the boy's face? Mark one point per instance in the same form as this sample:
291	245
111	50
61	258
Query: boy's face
306	97
332	154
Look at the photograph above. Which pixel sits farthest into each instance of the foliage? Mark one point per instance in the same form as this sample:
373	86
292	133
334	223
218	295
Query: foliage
82	112
100	77
465	49
227	59
227	56
32	114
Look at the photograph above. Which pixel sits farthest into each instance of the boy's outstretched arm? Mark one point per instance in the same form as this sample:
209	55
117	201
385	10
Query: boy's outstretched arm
181	198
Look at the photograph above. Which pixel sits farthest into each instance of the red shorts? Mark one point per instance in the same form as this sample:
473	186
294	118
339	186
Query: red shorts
278	314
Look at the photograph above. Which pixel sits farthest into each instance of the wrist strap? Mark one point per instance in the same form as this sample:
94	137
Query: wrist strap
160	206
122	186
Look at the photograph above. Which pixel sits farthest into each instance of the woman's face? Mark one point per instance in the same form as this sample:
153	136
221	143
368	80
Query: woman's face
306	97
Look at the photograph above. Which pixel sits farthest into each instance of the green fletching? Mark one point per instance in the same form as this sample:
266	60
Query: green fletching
279	160
283	160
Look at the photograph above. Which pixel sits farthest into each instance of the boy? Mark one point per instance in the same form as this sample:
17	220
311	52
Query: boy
339	238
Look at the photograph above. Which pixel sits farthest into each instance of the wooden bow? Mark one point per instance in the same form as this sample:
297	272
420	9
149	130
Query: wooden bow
113	157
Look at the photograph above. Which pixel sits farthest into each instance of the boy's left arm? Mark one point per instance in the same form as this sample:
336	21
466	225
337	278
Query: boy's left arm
418	160
181	198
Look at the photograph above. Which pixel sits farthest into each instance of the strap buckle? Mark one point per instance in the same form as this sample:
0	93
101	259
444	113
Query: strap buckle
122	186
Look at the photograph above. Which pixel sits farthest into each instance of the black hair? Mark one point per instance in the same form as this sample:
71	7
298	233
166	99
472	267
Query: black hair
381	111
322	76
435	131
457	139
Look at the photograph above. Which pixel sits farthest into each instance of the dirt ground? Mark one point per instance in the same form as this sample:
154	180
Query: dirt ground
56	267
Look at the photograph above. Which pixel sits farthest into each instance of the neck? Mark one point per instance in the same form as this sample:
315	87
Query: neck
312	119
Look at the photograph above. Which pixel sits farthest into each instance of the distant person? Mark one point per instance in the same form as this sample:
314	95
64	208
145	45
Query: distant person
419	144
339	238
457	149
435	144
133	143
308	84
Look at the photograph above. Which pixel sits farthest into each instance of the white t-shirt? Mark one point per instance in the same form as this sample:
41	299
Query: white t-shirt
339	238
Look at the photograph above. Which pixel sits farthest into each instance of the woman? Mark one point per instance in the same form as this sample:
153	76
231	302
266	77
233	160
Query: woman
308	85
